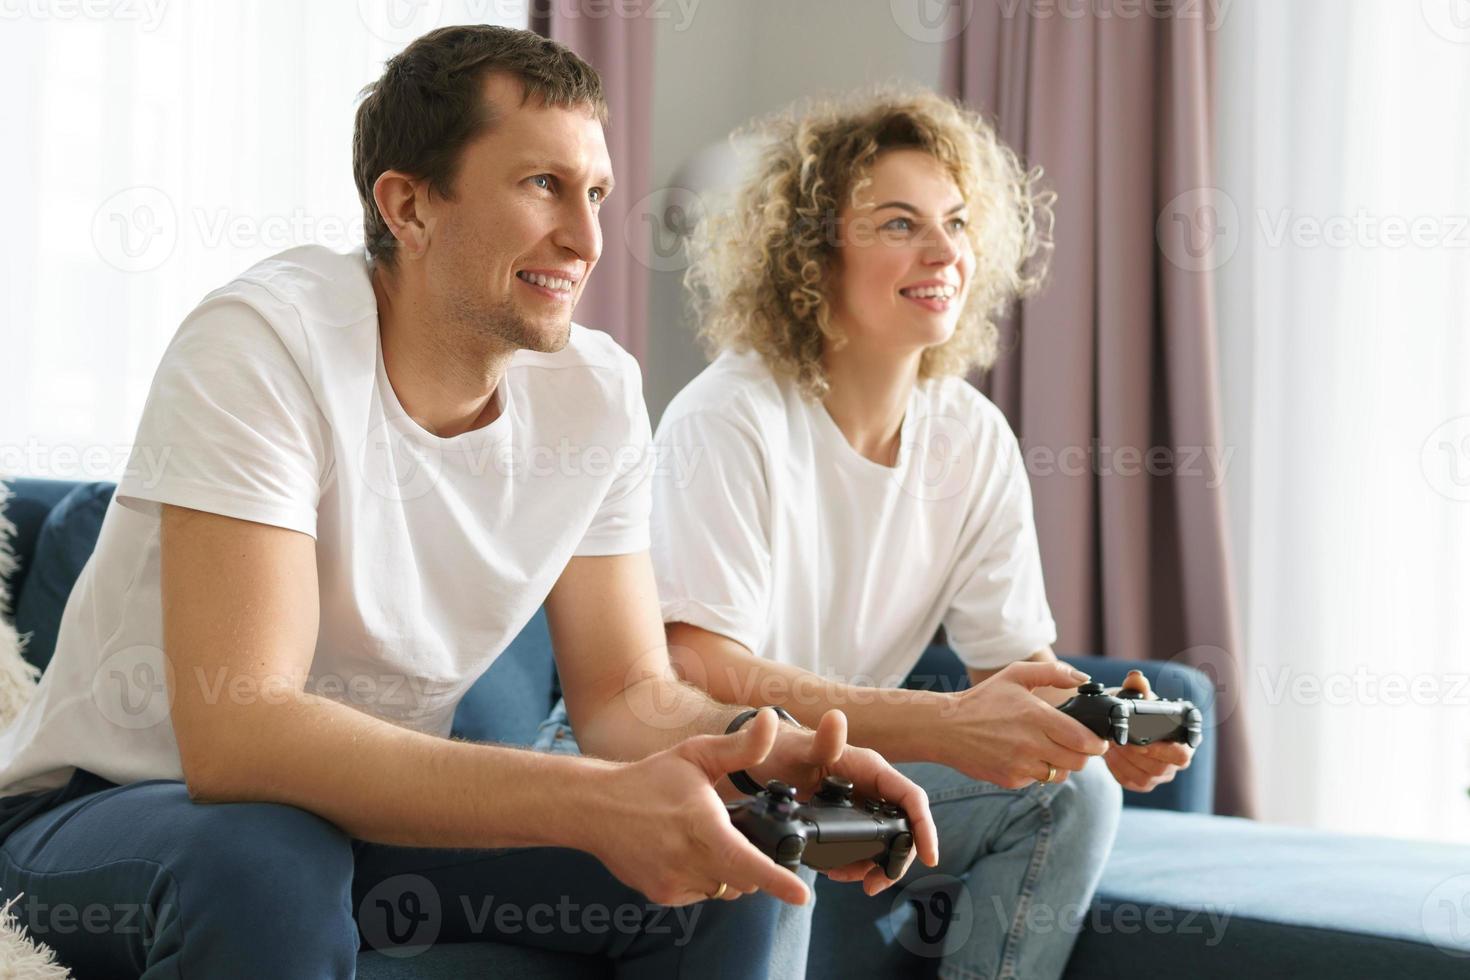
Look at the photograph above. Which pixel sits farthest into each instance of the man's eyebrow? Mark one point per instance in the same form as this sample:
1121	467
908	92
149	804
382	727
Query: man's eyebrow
905	206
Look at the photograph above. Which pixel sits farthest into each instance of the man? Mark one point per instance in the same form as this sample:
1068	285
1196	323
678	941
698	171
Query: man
347	532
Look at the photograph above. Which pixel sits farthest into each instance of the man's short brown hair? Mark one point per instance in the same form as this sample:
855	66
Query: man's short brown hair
428	106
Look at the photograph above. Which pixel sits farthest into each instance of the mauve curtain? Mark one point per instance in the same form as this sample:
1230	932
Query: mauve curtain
620	47
1118	352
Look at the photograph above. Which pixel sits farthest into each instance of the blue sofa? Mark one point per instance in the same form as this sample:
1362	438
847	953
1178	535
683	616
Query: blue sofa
1184	893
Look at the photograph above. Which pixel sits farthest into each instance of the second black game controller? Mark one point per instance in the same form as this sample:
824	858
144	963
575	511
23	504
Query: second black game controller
1128	718
828	832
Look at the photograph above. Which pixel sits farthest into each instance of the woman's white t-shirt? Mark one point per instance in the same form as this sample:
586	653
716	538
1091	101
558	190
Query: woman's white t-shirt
272	405
770	529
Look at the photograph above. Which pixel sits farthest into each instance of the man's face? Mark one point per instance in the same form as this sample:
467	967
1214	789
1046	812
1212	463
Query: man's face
510	255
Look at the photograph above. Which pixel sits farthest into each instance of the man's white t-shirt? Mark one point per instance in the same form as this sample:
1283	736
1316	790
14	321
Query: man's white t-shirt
770	529
272	405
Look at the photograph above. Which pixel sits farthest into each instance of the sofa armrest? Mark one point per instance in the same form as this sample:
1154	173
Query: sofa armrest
1192	791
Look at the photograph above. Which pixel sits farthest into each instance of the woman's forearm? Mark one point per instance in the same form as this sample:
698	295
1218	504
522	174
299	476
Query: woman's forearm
900	724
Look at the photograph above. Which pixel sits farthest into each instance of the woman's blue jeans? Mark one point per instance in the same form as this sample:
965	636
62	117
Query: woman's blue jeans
1017	870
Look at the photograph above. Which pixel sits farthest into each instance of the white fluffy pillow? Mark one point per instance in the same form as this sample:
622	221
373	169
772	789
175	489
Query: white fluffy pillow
17	677
21	958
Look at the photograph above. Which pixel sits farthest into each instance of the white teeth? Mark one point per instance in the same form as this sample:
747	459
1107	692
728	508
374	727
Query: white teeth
930	292
548	282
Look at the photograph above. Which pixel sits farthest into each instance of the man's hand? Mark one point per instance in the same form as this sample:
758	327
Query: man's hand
1000	732
802	757
1142	768
666	832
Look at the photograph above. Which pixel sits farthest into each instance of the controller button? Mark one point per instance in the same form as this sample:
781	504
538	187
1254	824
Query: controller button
898	853
1091	688
781	792
789	849
892	810
872	806
835	789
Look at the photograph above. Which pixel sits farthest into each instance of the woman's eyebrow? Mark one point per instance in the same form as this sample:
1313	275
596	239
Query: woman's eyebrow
904	205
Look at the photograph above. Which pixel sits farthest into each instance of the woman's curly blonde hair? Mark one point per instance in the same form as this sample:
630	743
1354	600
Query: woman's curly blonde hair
760	271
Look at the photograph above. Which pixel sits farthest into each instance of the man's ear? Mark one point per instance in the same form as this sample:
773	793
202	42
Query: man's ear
401	199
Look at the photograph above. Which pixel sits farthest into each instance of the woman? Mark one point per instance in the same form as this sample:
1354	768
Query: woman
847	493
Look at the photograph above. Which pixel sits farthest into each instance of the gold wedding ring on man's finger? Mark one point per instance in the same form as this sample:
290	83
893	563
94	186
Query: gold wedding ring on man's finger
1051	773
719	892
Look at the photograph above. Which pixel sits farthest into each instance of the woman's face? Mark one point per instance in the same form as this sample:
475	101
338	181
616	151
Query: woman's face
904	259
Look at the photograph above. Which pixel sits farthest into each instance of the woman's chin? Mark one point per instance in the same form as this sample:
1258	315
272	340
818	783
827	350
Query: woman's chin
935	333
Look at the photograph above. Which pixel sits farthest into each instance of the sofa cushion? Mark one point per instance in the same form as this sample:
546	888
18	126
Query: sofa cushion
511	699
1200	896
454	961
62	547
1207	897
30	501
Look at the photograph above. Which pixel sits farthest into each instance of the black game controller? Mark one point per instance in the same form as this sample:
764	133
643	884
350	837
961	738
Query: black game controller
829	832
1128	718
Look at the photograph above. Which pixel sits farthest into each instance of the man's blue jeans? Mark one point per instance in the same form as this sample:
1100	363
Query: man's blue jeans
1017	870
139	880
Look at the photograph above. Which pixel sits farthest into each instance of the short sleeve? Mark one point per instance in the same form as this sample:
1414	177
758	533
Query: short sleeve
711	539
999	613
230	426
620	525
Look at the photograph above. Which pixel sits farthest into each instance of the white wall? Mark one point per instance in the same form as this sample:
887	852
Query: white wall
728	62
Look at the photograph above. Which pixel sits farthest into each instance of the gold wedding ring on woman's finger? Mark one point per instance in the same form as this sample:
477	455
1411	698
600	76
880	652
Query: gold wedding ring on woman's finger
1051	773
719	892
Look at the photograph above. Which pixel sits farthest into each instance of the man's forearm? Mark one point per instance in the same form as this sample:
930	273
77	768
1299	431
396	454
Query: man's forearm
391	785
649	716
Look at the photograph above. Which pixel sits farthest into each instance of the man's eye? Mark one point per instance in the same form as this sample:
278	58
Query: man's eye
596	195
542	181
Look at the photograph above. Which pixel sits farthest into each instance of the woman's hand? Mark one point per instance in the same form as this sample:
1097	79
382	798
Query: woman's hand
1000	732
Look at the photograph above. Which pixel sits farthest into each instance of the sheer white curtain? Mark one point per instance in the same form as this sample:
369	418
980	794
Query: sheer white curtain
151	150
1344	278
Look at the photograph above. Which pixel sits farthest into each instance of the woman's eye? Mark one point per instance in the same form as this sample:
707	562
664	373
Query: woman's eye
958	224
898	224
